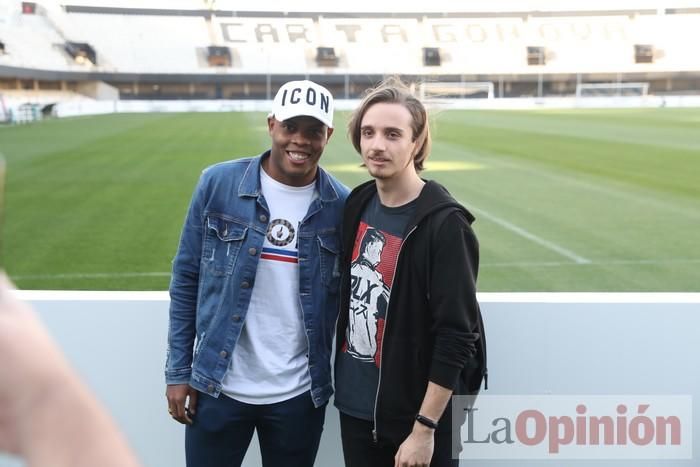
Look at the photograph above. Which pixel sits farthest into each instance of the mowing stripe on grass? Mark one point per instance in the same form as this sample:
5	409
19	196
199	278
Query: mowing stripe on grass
530	236
505	264
635	194
618	189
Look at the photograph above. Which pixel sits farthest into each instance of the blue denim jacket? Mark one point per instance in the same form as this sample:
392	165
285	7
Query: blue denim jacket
214	272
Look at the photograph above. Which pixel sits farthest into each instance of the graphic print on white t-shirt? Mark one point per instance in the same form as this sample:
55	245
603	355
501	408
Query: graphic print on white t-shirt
269	363
280	233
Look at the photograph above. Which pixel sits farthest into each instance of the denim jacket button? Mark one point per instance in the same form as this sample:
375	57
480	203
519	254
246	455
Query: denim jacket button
245	285
210	388
263	218
236	318
223	354
252	251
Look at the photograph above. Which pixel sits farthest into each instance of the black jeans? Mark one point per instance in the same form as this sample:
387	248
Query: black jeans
289	432
360	450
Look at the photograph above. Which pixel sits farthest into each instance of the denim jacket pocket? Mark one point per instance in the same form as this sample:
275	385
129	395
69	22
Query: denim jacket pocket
329	256
222	242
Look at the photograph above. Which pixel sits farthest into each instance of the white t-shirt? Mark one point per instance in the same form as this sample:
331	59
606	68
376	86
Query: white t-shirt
269	363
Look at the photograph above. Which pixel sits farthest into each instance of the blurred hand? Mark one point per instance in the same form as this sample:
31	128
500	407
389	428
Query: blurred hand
47	415
30	364
182	402
417	449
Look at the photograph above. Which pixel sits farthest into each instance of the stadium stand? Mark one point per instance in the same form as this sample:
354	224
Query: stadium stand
198	49
31	42
146	44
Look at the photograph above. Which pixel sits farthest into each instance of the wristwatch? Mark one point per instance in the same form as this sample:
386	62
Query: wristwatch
426	421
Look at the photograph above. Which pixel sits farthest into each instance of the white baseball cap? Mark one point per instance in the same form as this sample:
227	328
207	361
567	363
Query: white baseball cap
305	97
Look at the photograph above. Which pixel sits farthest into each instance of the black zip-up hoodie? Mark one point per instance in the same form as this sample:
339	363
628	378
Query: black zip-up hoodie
433	329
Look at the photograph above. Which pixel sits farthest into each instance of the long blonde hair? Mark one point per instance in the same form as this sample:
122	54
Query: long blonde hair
394	91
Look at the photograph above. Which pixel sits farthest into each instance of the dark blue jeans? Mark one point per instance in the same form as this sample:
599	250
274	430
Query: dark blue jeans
289	432
360	450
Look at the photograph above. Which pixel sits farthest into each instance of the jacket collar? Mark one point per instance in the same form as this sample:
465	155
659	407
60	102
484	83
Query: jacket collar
250	182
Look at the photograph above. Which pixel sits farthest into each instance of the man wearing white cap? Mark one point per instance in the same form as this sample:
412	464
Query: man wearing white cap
254	294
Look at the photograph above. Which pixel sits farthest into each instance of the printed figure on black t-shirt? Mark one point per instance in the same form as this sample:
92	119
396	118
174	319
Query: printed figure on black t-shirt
368	299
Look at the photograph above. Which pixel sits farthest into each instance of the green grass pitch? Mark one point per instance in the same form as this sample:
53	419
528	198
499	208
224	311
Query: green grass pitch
565	200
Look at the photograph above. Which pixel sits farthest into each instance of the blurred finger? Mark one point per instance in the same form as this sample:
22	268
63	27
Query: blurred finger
188	417
194	396
5	285
179	412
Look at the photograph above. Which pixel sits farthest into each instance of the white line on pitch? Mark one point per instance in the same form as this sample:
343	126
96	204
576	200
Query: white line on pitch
613	262
486	264
532	237
91	275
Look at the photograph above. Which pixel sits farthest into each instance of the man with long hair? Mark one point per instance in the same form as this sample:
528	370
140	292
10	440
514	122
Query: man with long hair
430	343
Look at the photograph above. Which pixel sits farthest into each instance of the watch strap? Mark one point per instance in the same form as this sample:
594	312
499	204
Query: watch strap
427	421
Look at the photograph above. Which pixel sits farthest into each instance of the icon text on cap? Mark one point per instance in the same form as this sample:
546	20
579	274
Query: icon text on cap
311	98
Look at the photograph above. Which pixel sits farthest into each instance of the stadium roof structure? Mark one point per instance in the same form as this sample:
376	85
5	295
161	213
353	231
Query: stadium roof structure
387	6
160	49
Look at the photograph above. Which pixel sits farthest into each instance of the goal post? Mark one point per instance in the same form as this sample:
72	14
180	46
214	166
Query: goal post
5	114
611	89
456	90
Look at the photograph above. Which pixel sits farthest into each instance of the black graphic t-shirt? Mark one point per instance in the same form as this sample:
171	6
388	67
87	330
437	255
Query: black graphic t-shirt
377	244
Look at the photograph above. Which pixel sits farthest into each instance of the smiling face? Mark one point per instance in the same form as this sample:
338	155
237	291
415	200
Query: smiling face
387	142
297	145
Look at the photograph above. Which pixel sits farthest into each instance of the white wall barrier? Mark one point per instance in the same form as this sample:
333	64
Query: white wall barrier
78	108
87	107
84	106
556	344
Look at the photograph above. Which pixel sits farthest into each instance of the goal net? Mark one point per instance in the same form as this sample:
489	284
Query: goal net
612	89
456	90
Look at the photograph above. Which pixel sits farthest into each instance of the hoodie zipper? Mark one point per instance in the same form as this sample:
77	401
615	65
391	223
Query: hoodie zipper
386	324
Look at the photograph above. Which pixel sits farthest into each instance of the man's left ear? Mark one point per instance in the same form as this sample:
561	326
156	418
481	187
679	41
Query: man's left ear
330	132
